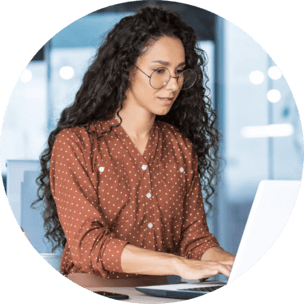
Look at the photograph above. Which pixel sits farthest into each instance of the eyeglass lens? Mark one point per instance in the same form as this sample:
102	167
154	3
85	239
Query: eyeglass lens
161	77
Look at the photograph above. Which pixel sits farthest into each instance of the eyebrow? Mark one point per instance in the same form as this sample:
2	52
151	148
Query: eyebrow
166	62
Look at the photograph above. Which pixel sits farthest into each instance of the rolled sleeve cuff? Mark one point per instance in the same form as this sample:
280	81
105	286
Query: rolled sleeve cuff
197	252
111	258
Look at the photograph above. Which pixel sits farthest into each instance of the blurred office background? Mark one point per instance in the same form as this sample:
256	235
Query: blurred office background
257	115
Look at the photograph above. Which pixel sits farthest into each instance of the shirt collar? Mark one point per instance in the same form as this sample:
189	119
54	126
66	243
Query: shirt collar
100	126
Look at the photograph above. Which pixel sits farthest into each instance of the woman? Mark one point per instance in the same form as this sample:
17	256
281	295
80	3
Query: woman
121	174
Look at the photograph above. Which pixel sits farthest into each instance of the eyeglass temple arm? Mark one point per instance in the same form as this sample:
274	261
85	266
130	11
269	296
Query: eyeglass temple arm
142	71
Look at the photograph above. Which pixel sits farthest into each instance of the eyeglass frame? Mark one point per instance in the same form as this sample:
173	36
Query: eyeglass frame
177	77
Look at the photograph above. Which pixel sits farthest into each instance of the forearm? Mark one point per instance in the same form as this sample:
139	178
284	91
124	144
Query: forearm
216	254
142	261
209	253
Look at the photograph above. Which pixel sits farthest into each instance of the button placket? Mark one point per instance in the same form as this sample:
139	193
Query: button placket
148	213
148	195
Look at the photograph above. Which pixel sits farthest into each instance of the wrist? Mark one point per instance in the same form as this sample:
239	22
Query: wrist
176	265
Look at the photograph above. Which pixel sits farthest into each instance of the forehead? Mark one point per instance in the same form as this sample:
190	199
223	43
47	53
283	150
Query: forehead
165	48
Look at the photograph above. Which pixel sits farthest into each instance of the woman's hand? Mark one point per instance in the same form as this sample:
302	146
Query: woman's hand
195	269
218	254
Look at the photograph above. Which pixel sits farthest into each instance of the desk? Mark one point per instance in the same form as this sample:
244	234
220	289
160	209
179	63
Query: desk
134	295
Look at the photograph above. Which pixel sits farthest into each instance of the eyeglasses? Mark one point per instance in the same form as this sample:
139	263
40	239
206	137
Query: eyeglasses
160	78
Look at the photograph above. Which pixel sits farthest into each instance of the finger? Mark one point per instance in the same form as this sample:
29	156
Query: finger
214	269
228	266
222	262
223	269
230	263
207	273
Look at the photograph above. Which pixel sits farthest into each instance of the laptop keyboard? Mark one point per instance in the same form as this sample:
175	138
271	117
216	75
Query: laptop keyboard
206	289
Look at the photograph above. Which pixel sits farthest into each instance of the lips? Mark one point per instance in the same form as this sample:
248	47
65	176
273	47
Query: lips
166	100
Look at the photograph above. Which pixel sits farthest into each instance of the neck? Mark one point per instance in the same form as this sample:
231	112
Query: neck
136	122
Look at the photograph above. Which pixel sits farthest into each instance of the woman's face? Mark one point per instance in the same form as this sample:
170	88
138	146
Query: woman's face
165	52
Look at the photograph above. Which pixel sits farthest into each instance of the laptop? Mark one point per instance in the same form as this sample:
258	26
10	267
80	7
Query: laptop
273	203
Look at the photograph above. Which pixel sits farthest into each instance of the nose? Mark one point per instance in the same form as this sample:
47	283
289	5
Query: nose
172	84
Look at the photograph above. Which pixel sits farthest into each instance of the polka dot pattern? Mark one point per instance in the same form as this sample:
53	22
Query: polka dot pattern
108	195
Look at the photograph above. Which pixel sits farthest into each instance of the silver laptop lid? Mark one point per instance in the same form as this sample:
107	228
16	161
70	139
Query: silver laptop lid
271	208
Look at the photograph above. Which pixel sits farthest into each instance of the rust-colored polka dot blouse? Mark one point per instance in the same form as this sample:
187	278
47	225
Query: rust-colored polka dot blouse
108	195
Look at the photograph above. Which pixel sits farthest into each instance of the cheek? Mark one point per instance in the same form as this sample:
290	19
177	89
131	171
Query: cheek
141	85
145	90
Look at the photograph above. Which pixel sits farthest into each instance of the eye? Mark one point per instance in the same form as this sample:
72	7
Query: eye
178	72
160	70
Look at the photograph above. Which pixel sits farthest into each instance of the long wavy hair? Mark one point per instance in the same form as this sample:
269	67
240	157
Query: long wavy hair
103	91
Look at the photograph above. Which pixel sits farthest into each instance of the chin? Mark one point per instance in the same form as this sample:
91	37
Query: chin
162	113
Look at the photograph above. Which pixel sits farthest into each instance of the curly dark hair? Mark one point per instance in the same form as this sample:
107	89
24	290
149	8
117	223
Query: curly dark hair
103	91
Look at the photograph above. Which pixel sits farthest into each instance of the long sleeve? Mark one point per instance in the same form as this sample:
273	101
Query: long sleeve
195	235
93	247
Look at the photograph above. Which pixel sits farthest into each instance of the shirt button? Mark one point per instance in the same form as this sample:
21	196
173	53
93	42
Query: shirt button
101	169
181	169
148	195
144	167
150	225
